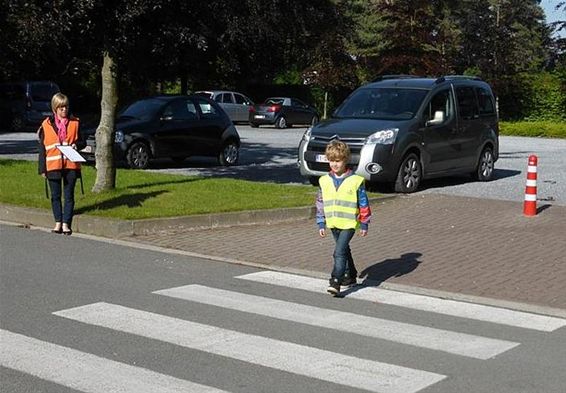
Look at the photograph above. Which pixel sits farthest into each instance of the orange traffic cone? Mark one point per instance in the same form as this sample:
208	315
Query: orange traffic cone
530	205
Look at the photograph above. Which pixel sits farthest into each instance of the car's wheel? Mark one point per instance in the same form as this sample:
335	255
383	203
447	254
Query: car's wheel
486	164
254	125
17	123
229	154
410	174
314	120
137	156
281	122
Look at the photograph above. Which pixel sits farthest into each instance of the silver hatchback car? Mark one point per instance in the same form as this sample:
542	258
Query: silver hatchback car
236	105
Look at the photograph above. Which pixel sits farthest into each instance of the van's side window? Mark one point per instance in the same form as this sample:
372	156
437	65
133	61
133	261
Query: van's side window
485	101
441	102
467	103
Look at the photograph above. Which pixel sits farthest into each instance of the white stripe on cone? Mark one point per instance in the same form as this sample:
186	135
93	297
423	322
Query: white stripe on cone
531	197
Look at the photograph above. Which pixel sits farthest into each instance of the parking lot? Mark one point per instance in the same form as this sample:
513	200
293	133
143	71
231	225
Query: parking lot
270	154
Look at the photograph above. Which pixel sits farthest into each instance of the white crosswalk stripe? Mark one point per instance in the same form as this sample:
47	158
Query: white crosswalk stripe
94	374
418	302
86	372
420	336
299	359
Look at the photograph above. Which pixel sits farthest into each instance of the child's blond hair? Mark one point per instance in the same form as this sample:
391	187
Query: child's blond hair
337	151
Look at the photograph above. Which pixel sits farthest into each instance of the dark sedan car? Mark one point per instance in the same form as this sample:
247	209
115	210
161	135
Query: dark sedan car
283	112
175	127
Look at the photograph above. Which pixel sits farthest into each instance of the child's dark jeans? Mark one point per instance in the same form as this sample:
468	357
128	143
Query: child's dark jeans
343	261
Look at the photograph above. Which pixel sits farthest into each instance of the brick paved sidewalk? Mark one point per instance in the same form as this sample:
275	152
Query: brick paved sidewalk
464	245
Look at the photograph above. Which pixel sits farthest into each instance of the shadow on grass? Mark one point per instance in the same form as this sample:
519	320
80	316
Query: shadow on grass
130	200
163	183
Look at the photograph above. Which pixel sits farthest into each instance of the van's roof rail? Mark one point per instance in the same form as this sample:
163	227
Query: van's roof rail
452	77
400	76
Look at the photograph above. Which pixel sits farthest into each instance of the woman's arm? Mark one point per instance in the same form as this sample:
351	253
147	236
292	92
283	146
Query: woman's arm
41	165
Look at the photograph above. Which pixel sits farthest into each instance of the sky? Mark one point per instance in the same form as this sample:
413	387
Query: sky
551	13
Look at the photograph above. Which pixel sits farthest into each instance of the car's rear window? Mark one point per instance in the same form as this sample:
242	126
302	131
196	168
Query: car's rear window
204	94
43	91
141	110
274	101
382	103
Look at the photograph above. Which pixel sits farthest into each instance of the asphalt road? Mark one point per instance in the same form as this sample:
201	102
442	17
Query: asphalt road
269	154
78	314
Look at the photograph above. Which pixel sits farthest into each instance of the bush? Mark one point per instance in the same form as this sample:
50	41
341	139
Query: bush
532	97
546	129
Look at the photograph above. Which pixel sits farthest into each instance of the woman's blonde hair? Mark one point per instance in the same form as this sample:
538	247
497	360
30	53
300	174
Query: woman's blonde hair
58	101
337	151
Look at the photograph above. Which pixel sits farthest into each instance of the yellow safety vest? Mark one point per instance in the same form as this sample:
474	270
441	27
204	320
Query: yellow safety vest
341	205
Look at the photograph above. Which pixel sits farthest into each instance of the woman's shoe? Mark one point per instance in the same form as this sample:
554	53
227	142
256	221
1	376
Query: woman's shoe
58	228
66	230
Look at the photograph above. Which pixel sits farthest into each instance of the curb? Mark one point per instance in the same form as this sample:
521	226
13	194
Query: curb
115	228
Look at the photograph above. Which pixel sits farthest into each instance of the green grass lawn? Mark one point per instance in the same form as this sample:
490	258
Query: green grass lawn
545	129
142	194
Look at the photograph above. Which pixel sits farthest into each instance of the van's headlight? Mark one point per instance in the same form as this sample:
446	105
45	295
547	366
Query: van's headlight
119	137
307	134
383	137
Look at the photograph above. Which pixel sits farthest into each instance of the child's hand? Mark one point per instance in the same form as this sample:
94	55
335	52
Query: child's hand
322	232
363	232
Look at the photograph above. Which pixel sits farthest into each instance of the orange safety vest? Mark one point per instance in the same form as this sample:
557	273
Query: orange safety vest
54	159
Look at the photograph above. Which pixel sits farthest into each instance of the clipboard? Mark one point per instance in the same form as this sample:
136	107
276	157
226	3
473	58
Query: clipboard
71	153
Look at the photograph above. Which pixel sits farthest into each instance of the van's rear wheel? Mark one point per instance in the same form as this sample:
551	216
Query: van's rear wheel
486	164
410	174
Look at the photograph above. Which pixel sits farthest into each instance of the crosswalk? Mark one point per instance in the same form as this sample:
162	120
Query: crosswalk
90	373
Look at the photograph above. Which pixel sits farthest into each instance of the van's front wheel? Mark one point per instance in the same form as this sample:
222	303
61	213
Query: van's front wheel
410	174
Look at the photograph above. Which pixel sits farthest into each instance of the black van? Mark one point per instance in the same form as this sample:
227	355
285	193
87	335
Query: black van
404	129
23	105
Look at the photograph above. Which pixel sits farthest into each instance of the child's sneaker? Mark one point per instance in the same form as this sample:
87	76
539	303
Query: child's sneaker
333	287
349	281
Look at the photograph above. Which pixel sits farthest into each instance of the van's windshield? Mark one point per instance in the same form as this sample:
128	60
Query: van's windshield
382	103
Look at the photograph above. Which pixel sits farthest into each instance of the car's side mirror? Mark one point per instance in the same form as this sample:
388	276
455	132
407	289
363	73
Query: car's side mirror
437	119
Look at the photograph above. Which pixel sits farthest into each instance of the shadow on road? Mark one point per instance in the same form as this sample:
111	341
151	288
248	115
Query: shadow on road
374	275
442	182
18	147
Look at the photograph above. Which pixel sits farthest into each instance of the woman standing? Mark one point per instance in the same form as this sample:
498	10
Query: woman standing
61	173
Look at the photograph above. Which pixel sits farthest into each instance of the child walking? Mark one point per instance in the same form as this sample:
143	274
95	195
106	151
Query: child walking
342	206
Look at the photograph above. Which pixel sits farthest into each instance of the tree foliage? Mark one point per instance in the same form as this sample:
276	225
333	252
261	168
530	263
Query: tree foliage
128	48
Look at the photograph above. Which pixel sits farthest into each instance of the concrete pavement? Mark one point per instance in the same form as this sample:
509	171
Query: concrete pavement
462	248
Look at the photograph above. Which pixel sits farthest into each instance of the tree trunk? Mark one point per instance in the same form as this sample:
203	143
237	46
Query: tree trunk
105	169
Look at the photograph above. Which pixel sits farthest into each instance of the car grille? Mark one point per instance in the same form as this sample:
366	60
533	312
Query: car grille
317	145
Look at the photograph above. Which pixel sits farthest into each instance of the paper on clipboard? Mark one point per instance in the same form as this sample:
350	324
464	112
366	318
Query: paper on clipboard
71	153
